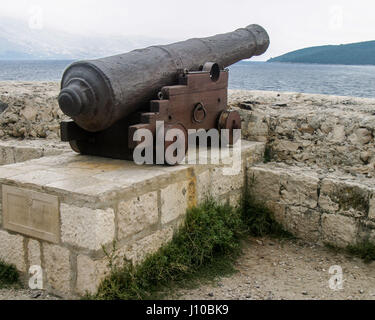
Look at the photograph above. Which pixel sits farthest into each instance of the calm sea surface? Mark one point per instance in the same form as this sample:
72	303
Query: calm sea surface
310	78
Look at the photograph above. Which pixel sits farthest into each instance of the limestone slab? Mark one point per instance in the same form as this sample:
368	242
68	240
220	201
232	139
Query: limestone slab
174	201
90	273
87	228
223	183
57	268
303	222
12	250
345	197
299	190
137	214
140	249
339	230
13	151
203	186
264	183
99	178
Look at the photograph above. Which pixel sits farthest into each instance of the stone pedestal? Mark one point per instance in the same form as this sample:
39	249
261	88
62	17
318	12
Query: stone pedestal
64	212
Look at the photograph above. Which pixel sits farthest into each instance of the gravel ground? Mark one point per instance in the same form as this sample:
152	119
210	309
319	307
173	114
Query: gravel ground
272	269
13	294
289	270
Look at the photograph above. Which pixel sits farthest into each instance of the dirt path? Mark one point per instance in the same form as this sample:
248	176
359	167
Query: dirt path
289	270
270	269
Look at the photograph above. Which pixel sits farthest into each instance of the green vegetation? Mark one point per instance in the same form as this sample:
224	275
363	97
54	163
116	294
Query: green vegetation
9	275
267	154
207	243
205	247
362	53
350	197
364	250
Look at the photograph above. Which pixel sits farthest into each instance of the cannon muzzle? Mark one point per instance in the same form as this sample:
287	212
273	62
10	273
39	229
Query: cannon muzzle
98	93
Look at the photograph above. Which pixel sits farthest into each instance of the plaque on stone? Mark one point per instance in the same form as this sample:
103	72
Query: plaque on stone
31	213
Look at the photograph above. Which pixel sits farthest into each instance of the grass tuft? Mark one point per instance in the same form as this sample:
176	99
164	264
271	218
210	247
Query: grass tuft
8	275
364	250
204	248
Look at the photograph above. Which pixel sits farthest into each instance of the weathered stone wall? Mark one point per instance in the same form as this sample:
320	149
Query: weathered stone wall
333	208
14	151
321	153
329	131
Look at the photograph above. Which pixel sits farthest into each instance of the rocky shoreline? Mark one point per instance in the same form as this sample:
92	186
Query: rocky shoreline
29	110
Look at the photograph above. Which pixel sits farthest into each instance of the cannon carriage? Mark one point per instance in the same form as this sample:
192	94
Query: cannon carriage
184	84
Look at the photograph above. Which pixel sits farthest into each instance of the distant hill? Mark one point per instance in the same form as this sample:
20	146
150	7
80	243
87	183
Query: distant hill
362	53
19	42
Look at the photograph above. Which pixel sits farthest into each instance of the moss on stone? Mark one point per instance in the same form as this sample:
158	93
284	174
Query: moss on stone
350	197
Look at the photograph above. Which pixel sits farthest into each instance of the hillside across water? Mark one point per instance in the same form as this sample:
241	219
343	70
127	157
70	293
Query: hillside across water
362	53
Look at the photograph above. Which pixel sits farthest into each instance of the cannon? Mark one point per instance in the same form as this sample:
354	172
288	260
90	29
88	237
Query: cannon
184	84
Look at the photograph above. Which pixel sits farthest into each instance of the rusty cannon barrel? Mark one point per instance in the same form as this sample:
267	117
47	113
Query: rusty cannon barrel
98	93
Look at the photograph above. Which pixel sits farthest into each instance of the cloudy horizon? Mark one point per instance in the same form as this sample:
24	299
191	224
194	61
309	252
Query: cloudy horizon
291	24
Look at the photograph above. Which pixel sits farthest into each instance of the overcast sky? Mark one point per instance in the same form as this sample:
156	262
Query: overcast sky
291	24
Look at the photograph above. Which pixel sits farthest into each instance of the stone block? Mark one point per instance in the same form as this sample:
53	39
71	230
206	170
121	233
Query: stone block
6	155
302	222
223	184
87	228
363	135
137	214
344	197
91	205
278	209
174	201
90	274
27	153
57	268
339	230
140	249
299	189
286	146
327	189
203	186
12	250
264	183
